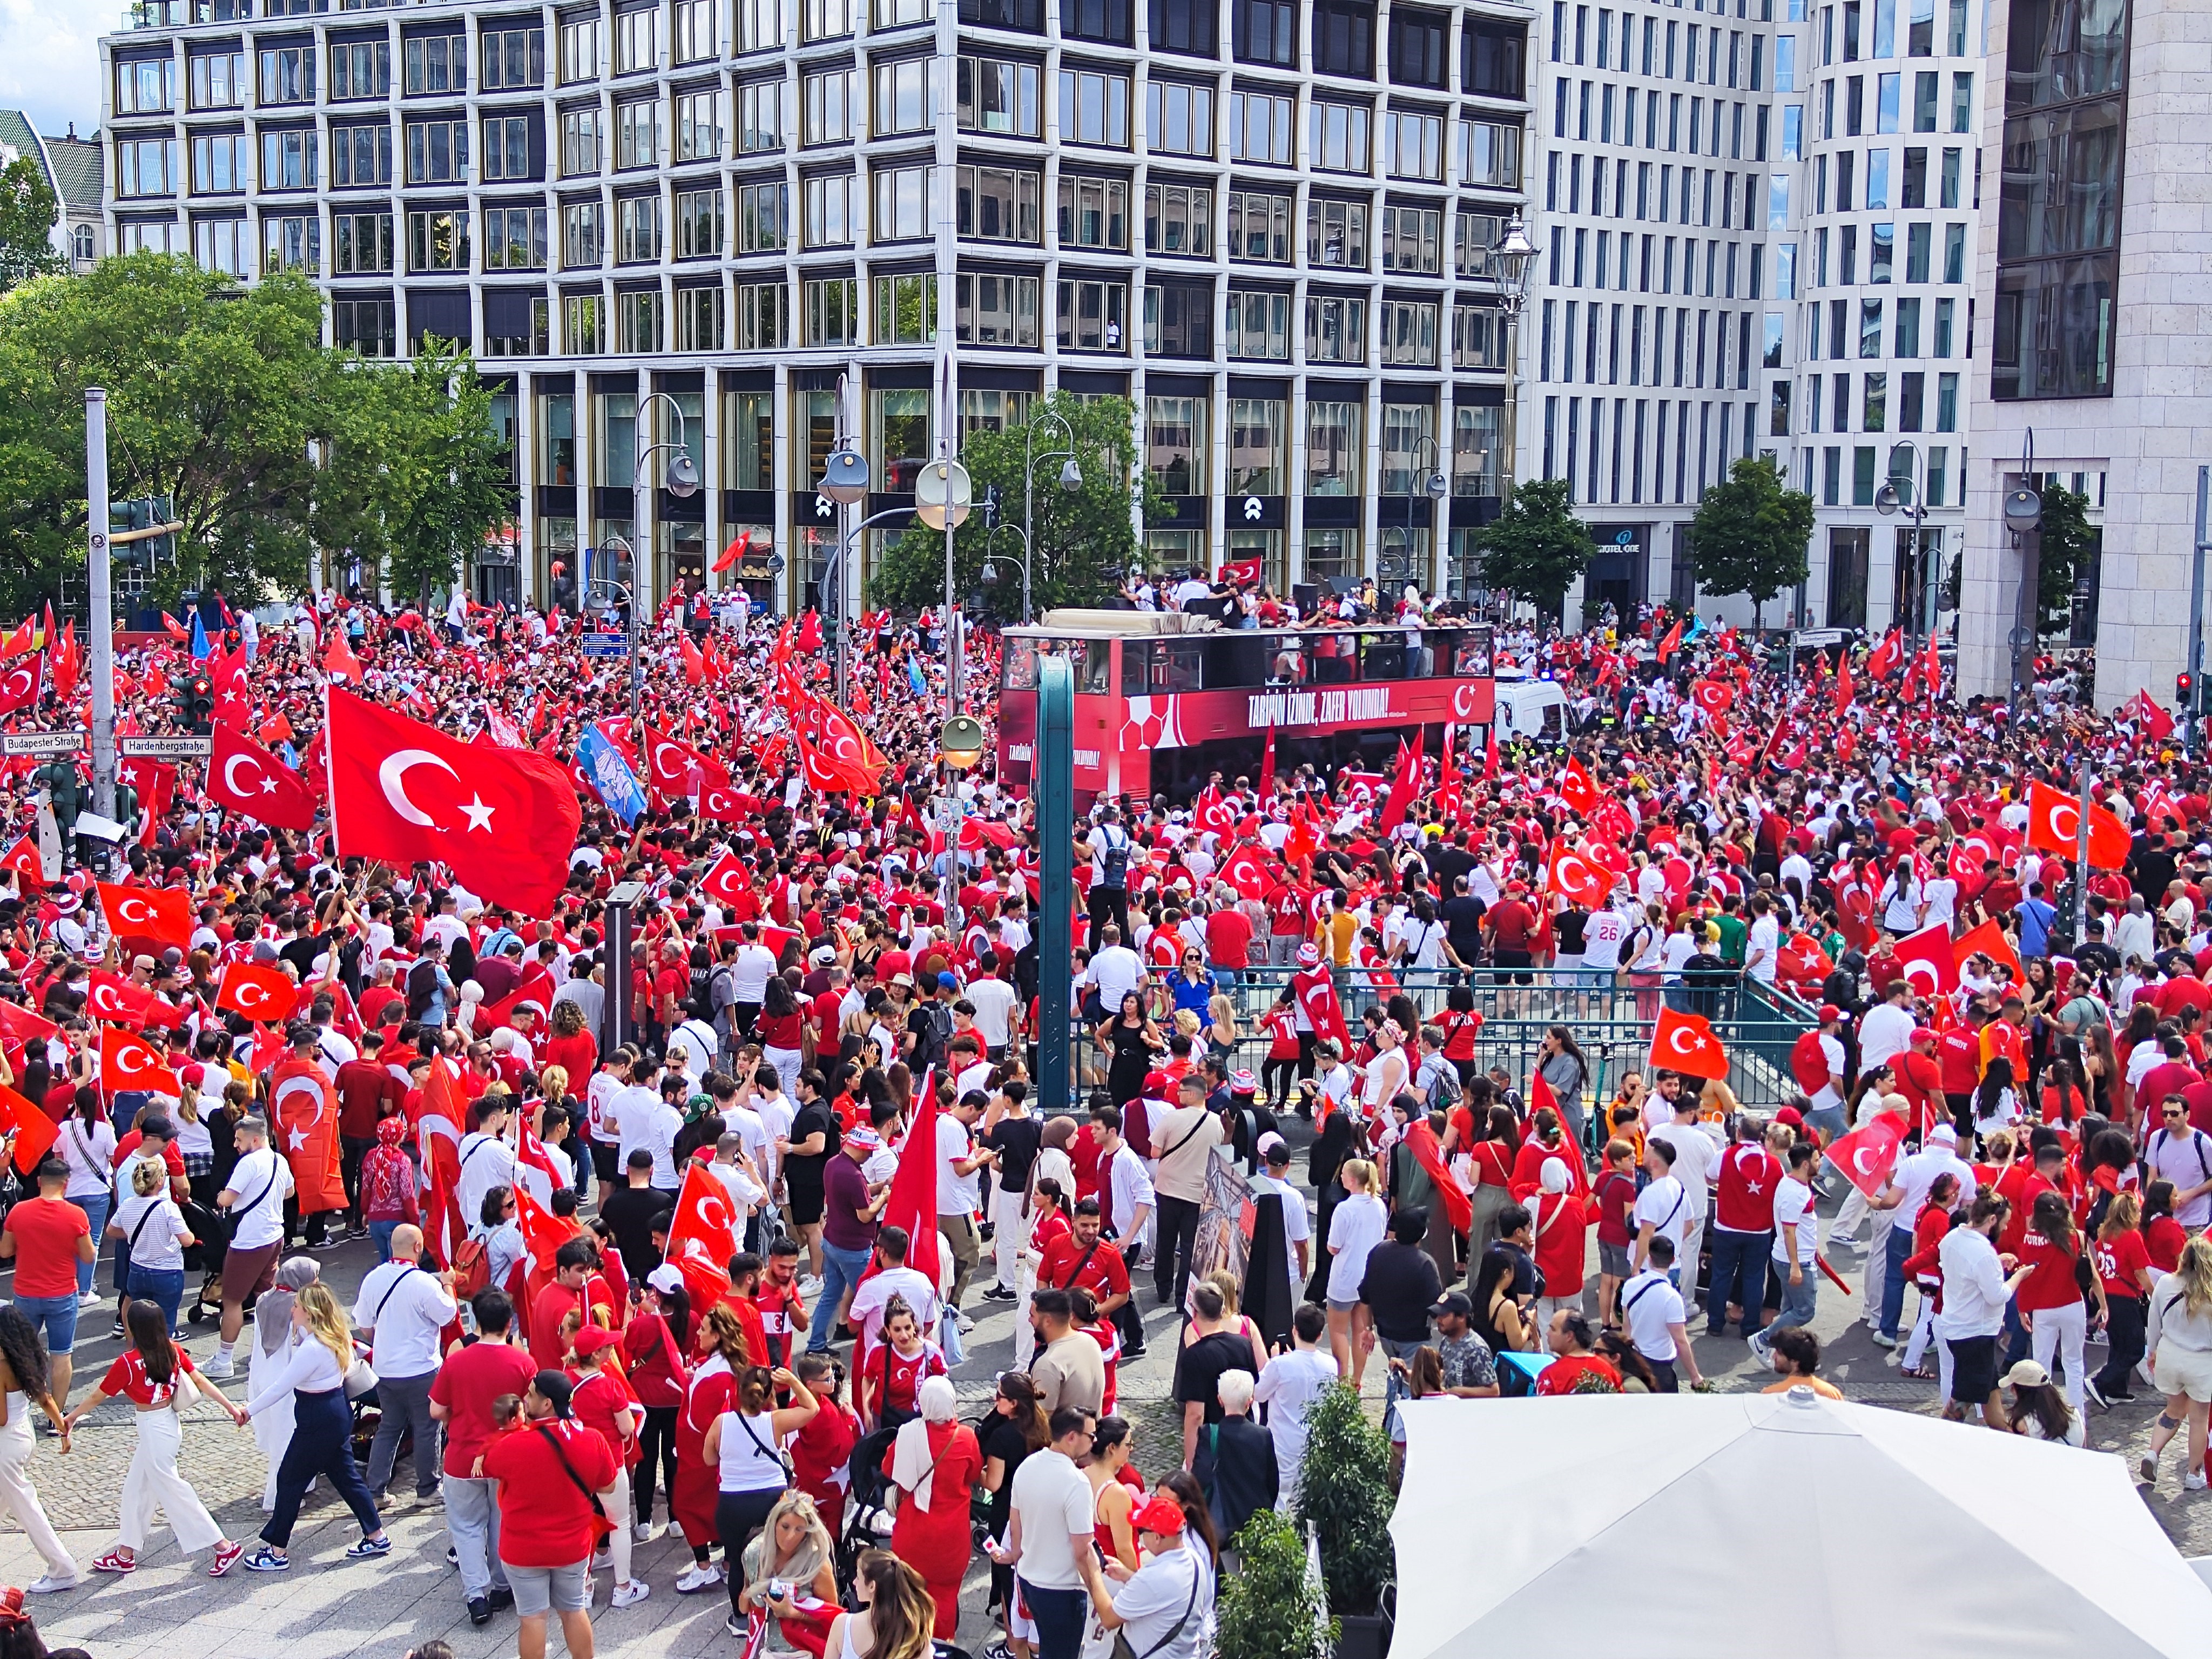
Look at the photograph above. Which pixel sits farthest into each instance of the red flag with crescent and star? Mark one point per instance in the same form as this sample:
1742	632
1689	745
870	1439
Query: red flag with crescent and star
305	1110
703	1234
398	794
34	1132
2054	826
1685	1043
129	1061
163	914
1866	1156
247	778
260	992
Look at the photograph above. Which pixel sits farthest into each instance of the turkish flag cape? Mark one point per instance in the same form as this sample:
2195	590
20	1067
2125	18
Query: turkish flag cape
913	1188
1866	1156
1316	993
703	1234
1459	1209
304	1112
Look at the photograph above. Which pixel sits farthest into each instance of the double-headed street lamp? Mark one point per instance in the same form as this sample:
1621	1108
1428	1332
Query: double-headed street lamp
1908	490
1071	480
681	479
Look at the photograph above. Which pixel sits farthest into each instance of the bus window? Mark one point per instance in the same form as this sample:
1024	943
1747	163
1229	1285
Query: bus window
1096	678
1288	666
1175	665
1382	656
1136	668
1235	657
1021	665
1471	653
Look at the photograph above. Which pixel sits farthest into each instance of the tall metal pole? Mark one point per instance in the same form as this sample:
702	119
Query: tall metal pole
842	621
2189	735
1029	509
636	675
1054	791
2081	858
102	619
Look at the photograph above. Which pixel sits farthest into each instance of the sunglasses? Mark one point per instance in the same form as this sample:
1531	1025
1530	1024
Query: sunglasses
2173	1112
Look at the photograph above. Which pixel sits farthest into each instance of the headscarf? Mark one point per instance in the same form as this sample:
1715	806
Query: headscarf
390	1130
913	1466
273	1313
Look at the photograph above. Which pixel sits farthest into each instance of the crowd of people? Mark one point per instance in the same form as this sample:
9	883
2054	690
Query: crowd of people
661	1274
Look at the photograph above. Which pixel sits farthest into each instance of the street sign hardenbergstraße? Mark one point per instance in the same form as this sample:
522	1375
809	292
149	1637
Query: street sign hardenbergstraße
179	748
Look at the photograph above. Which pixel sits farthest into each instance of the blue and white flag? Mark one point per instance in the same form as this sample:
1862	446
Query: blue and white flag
610	774
202	650
915	681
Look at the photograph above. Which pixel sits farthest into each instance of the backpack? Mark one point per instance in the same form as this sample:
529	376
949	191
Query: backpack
936	1033
1808	1063
471	1269
422	987
1113	862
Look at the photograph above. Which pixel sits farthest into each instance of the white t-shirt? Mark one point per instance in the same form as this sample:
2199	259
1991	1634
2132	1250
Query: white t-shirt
158	1244
1697	1156
957	1193
1666	1204
1764	943
751	970
1054	1500
1355	1228
261	1180
1885	1032
1794	1205
994	1003
1166	1598
486	1163
1601	939
1291	1384
1652	1304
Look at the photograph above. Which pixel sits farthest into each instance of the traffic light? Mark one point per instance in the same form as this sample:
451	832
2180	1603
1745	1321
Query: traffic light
2184	693
129	515
199	702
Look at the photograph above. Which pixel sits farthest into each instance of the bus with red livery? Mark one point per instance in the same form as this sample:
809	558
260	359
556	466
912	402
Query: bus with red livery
1164	701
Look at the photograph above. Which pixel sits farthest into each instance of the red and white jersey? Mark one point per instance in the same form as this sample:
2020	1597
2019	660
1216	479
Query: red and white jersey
127	1377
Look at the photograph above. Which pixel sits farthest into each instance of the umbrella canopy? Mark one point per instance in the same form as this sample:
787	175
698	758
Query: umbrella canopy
1749	1525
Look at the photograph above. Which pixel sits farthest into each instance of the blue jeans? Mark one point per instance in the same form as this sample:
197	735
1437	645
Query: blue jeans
1796	1299
1895	1250
95	1206
840	1271
162	1286
53	1317
1739	1276
1058	1614
382	1231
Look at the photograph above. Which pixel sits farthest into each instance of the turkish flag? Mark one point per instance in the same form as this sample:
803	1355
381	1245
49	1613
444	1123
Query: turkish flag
912	1203
1882	661
1239	570
398	794
2155	721
129	1061
68	661
20	1024
20	683
695	661
23	859
110	997
703	1234
339	661
1670	641
247	778
673	763
2054	826
1927	961
1844	690
1244	871
1989	940
1802	959
730	554
161	914
1685	1043
1405	784
1712	696
1576	877
1577	789
304	1119
1867	1156
19	640
260	992
1212	812
721	803
34	1132
1316	994
726	880
542	1231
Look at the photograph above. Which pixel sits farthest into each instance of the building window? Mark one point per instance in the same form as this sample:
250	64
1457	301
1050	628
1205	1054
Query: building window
1179	219
1187	27
637	134
581	139
906	309
1473	235
1416	46
1489	154
698	127
763	316
763	216
577	35
829	216
1094	107
1092	316
1336	329
832	308
517	324
1258	327
762	117
1477	335
288	74
1264	32
289	159
220	246
637	320
760	26
637	229
1344	38
147	235
899	14
1093	212
1258	432
219	163
292	241
515	238
1097	20
360	244
513	59
148	86
583	235
365	327
1413	144
1175	433
1020	16
699	223
1413	240
825	20
1409	333
1334	448
995	310
438	239
583	326
1259	127
997	95
692	31
903	195
1179	319
438	64
216	80
1001	204
1338	140
1260	226
637	41
83	245
437	152
507	147
906	96
825	106
1179	117
1336	233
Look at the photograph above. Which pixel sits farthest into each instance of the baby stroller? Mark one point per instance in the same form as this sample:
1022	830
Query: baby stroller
213	1231
868	1511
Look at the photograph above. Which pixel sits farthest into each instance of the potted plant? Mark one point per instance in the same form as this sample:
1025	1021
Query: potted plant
1344	1493
1270	1608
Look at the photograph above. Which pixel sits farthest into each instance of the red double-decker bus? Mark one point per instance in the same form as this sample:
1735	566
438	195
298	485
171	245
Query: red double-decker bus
1165	700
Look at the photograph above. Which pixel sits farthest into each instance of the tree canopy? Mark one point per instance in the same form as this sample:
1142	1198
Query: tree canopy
29	210
1750	534
224	398
1536	547
2068	548
1084	543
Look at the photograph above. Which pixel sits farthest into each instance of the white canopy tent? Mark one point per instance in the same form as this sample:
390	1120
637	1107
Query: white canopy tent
1715	1526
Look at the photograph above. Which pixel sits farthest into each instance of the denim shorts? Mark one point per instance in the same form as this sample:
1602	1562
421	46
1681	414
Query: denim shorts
540	1591
53	1317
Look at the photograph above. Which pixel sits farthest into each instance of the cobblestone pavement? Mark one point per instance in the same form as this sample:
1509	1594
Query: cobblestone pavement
326	1607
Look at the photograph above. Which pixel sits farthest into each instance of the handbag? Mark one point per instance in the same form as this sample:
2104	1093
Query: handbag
360	1379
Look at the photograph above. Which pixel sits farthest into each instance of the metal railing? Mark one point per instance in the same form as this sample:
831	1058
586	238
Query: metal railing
1611	1020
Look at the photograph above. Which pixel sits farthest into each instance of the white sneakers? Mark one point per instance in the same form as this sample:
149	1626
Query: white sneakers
697	1578
48	1584
645	1533
629	1595
220	1366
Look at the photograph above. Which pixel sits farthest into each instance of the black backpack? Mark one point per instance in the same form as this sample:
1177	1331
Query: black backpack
936	1034
421	986
1113	862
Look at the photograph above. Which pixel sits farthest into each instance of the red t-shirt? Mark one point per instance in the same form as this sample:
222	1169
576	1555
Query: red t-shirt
2118	1261
1920	1080
467	1384
127	1377
1105	1274
2019	1186
599	1400
1560	1377
2051	1284
577	1055
1959	1050
362	1087
2163	1238
545	1514
45	1231
1228	938
1616	1196
1511	923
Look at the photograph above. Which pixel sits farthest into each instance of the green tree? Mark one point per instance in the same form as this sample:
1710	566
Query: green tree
1750	534
1084	543
1536	549
2070	548
1268	1609
29	210
1344	1494
444	480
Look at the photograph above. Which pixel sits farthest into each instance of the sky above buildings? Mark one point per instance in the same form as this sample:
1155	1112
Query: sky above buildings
50	60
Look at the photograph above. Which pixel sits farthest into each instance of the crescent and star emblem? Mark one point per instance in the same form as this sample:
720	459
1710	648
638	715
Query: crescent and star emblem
392	778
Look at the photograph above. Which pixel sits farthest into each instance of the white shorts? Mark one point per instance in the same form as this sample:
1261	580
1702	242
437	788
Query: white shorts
2183	1371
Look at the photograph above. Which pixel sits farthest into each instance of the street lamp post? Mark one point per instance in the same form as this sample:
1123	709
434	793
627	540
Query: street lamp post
943	496
1512	262
1431	483
1886	502
1071	480
844	481
681	479
627	595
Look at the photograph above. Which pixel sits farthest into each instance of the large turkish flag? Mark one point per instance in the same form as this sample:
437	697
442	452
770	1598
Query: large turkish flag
246	777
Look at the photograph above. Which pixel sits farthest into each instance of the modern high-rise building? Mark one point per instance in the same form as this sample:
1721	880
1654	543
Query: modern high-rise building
1267	222
1756	222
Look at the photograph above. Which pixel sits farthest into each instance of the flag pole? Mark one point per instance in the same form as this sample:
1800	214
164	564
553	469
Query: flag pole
2082	857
